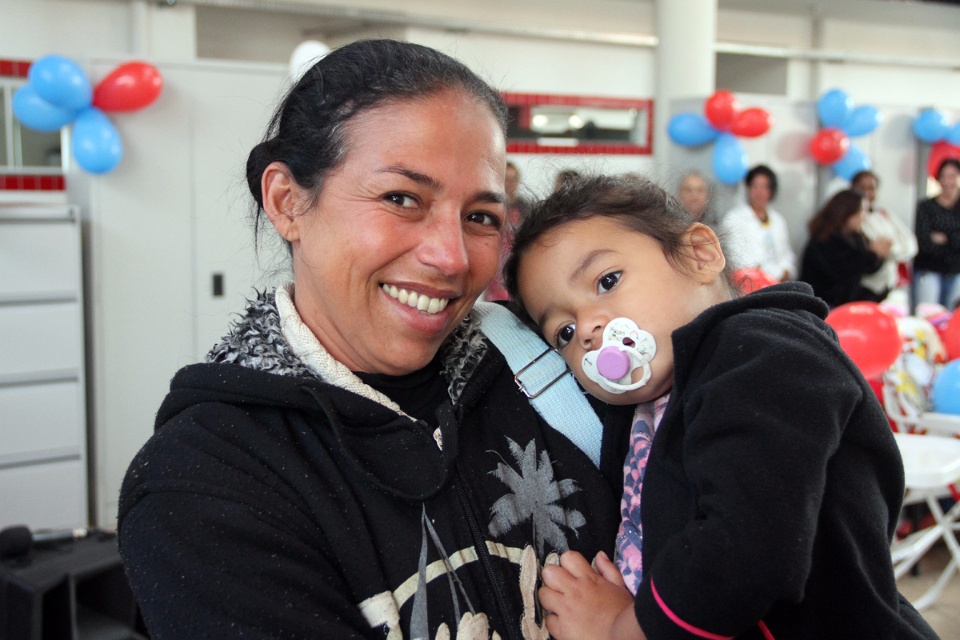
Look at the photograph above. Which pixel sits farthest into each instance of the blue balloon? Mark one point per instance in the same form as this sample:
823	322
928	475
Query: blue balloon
833	108
852	162
861	121
953	135
36	113
729	159
946	389
96	143
691	129
930	126
61	82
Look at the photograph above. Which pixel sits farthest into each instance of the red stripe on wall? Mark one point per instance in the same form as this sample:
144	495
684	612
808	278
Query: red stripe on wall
14	68
31	182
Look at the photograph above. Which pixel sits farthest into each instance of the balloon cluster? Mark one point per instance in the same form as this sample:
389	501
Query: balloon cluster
724	121
840	121
58	93
915	359
932	126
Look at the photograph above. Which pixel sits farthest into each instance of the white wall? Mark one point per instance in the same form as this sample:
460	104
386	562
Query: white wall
547	66
173	212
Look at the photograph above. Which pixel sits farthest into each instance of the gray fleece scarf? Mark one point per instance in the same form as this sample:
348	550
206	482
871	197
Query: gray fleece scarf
256	341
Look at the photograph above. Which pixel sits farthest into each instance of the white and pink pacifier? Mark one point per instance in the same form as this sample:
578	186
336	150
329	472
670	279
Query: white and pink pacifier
625	349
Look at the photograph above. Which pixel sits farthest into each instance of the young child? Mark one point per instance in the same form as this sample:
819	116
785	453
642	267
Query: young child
772	488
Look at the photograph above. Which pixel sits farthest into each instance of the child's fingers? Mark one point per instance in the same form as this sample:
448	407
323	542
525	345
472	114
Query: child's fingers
576	564
606	568
550	599
555	576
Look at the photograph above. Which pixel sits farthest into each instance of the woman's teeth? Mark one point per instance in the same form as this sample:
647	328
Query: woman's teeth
417	301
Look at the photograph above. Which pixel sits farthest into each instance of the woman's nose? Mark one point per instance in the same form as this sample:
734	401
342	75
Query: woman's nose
443	246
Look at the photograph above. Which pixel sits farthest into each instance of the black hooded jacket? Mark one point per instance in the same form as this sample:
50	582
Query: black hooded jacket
272	504
773	486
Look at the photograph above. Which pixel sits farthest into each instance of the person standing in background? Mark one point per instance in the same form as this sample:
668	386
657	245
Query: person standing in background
838	255
756	234
937	226
694	193
879	224
517	208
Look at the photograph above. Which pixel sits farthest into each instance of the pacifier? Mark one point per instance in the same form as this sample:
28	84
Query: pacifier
625	349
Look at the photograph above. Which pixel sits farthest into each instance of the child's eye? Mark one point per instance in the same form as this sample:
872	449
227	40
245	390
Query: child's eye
608	281
564	335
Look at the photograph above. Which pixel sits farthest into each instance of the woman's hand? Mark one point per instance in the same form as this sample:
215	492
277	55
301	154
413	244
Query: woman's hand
939	237
584	603
881	246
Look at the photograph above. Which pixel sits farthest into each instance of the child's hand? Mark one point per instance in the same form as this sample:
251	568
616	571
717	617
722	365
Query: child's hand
582	603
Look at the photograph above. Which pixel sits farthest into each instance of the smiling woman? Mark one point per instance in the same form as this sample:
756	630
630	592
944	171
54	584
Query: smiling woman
354	459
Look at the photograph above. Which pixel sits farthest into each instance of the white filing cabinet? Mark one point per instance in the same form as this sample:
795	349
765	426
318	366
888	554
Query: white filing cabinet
43	441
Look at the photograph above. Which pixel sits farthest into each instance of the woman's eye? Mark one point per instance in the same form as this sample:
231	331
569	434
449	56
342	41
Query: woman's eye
564	335
608	281
401	200
485	218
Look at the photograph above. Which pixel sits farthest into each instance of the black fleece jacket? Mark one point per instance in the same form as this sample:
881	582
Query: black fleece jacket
773	485
279	506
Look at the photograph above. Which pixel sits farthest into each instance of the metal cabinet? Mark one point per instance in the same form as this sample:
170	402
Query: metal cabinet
43	441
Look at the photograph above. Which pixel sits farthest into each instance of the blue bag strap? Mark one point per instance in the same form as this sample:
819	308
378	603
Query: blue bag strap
543	377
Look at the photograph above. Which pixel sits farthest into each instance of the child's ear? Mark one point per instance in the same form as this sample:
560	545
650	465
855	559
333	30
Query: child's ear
707	260
281	198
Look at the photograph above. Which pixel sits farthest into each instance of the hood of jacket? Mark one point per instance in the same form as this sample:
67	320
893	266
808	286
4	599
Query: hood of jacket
255	369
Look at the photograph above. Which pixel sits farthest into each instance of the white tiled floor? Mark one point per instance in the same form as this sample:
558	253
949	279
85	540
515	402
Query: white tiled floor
943	615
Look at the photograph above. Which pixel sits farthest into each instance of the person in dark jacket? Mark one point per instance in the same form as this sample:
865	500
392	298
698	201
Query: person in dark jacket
354	460
936	267
763	484
838	255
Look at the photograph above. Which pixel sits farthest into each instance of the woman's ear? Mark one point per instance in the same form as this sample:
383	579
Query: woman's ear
281	199
707	260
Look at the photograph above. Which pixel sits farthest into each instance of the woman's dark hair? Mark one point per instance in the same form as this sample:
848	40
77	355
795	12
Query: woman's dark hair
834	214
865	173
306	132
763	170
632	201
951	162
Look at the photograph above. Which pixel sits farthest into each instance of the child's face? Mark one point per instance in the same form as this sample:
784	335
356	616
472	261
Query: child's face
581	275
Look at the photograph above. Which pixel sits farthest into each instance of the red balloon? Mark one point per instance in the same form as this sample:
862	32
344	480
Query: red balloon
940	151
829	145
752	122
129	87
749	279
868	334
721	109
951	336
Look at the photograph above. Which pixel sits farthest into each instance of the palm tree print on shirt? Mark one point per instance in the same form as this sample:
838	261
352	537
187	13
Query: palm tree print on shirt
534	496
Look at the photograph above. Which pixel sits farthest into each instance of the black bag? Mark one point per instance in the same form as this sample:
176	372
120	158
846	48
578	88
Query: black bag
70	591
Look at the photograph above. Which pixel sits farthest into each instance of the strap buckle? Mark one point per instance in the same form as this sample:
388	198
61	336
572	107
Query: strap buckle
523	386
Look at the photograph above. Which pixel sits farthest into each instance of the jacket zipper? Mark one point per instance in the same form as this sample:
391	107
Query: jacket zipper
480	544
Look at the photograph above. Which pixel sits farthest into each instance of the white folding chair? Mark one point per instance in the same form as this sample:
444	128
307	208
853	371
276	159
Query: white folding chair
931	464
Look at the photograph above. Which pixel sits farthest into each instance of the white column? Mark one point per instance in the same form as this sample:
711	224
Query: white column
139	28
686	63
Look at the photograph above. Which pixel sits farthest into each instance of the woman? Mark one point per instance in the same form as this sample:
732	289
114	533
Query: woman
756	234
879	223
355	460
837	255
937	227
